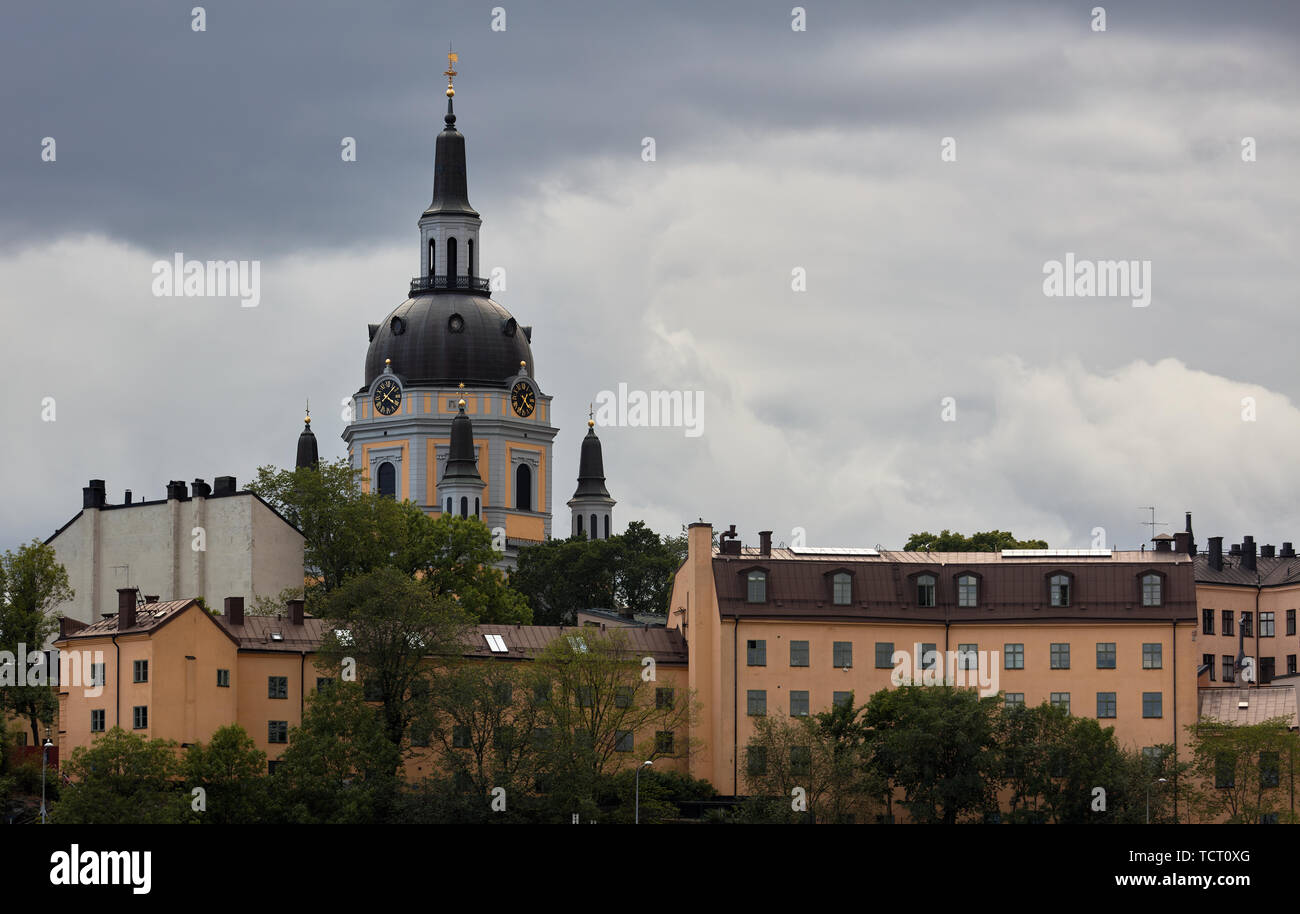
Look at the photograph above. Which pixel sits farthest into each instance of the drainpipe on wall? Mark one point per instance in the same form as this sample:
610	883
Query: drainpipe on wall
117	672
302	686
1173	639
735	708
1259	661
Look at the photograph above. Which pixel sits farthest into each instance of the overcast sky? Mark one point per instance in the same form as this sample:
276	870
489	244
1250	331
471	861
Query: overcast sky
776	150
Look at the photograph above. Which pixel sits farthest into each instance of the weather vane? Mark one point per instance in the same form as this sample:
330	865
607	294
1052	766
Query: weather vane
452	57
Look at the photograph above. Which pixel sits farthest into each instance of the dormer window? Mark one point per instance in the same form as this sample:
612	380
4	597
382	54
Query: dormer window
925	590
967	590
1059	586
842	588
1152	586
756	587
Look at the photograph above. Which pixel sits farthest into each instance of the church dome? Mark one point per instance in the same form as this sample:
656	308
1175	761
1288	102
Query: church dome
448	338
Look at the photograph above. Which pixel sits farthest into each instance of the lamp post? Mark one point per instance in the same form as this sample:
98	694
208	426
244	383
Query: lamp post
45	754
1157	781
637	816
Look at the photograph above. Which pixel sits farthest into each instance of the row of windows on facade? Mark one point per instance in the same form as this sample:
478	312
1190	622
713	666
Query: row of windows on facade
1060	589
386	485
624	740
452	260
593	528
1107	702
1266	672
1266	623
1013	655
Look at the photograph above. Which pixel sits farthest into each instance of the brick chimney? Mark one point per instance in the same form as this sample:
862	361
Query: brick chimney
234	610
92	496
295	612
1216	553
126	608
1248	553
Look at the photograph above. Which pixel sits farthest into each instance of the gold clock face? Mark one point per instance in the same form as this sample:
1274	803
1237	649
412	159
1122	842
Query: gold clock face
388	397
522	399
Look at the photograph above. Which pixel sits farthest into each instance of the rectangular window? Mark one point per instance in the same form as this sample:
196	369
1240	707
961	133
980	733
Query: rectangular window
884	655
140	717
372	690
1153	704
223	679
1060	656
323	683
756	702
1061	700
968	656
842	654
1013	656
1290	664
1290	621
1267	669
663	699
140	671
1225	773
841	698
1207	622
586	697
756	761
664	742
798	703
801	760
798	653
757	587
1105	655
277	731
277	686
1208	660
1266	625
756	652
1248	624
1227	622
929	656
1014	699
1229	668
622	740
925	590
460	736
967	591
1151	590
843	587
97	675
623	697
1270	769
1060	587
1152	656
97	721
1105	704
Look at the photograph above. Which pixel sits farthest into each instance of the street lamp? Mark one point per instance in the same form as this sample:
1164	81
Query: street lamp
1157	781
45	754
637	819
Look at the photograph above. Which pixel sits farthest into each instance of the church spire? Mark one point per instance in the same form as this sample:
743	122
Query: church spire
450	184
592	506
461	488
308	456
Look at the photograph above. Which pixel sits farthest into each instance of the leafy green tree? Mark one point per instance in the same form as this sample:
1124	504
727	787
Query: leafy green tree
987	541
32	584
1247	773
818	756
232	772
453	557
122	779
645	565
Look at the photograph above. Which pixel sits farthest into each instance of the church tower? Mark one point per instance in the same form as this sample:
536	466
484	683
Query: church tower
307	452
447	353
592	507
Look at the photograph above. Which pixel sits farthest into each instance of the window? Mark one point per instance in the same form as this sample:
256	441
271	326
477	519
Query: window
967	590
140	717
1290	621
842	699
502	693
925	590
1266	625
1061	700
1105	655
469	257
1270	769
756	652
1105	704
578	645
842	588
801	760
1267	669
663	698
1227	622
606	526
1153	704
798	653
1014	699
140	671
623	697
1207	622
757	702
842	654
451	257
884	655
1225	773
323	683
1061	656
419	738
97	676
1151	589
1152	656
756	587
277	731
1248	624
967	656
756	761
1290	664
1059	586
1013	656
1229	668
1207	660
593	526
386	480
586	697
223	679
460	736
798	703
622	740
929	656
579	516
277	686
664	742
464	506
541	692
523	487
496	644
1268	818
97	721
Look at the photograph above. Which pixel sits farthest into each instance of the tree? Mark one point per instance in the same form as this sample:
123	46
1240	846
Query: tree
122	779
805	768
232	772
1247	772
454	558
988	541
938	745
646	563
32	584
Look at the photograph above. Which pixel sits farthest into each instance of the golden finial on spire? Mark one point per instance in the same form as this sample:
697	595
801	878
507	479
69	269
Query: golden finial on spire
307	418
452	57
591	415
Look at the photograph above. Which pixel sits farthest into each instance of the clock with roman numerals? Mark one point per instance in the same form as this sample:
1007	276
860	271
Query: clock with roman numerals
388	397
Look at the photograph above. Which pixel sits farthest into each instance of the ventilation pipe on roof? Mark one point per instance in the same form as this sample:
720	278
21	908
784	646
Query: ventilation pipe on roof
1248	553
1288	551
1266	551
1216	553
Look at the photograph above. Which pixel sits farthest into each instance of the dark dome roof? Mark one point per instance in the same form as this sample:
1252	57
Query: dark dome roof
419	337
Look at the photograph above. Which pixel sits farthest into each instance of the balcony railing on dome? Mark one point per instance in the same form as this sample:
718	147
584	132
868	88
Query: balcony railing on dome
449	284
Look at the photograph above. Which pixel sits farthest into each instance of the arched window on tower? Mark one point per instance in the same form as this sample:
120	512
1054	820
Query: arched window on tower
469	257
476	508
595	534
606	526
387	480
524	488
433	257
449	506
464	506
579	525
451	259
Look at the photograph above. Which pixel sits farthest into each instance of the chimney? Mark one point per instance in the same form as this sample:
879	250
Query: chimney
295	612
176	490
201	489
1164	542
764	542
92	496
151	598
1248	553
728	544
1235	550
1216	553
1191	538
126	607
1266	551
223	485
1288	551
128	496
234	610
1180	543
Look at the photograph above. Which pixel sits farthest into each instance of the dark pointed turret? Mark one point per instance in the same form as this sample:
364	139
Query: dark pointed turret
591	504
450	183
308	456
460	490
591	466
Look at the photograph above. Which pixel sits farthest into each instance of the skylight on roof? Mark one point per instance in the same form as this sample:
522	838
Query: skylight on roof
578	645
1055	553
496	643
833	550
277	636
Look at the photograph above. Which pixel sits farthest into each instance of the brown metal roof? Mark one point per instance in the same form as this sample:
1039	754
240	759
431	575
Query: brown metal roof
255	634
1272	572
147	618
526	642
1262	704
